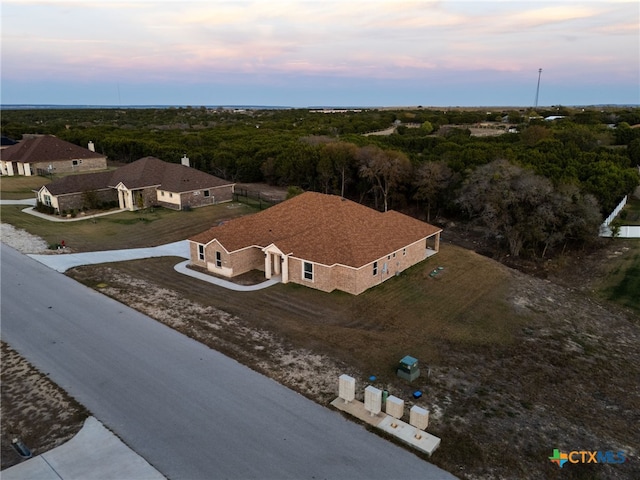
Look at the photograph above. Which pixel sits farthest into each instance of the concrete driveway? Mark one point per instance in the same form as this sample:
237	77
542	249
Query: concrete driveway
94	453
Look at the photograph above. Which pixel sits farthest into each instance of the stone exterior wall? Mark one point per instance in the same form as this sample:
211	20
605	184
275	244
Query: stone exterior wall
171	206
76	201
222	194
67	166
149	198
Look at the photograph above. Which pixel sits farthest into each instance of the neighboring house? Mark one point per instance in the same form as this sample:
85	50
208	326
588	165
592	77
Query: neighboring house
37	154
6	142
72	192
321	241
144	183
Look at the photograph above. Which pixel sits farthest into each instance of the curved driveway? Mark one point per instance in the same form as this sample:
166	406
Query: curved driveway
190	411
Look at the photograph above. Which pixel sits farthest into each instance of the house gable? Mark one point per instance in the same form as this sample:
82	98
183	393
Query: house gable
49	153
325	242
145	183
324	229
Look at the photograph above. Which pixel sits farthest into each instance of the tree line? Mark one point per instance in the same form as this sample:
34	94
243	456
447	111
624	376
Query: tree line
549	184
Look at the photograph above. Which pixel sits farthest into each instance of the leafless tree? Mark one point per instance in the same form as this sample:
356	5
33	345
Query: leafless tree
431	181
385	169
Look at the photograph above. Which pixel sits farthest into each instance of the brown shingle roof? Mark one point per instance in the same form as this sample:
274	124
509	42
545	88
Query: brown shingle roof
151	171
45	148
80	183
322	228
146	172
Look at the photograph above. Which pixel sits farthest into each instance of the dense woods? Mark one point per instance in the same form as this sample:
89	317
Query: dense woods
537	185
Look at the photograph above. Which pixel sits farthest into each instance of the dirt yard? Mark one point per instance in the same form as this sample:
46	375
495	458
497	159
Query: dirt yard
513	365
33	409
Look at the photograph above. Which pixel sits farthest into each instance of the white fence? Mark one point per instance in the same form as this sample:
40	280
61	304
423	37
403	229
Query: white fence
625	231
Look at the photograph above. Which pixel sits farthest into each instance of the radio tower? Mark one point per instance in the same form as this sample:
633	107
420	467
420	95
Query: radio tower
538	89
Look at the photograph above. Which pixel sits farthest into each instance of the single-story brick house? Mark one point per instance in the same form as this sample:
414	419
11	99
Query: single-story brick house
146	182
45	153
321	241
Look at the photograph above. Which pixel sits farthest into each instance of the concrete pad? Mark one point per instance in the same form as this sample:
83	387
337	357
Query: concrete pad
34	469
427	443
93	453
407	433
356	408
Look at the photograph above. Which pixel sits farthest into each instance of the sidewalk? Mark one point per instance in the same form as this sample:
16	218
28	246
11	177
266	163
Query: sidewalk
94	453
65	261
53	218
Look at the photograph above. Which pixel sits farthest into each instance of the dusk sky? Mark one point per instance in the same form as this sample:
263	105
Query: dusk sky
320	53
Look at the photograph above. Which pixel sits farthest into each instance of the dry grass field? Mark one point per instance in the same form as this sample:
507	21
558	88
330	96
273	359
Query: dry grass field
513	366
34	409
510	362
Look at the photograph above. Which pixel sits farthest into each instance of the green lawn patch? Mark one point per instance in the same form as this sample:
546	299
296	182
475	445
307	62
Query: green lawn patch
19	187
626	283
142	228
630	214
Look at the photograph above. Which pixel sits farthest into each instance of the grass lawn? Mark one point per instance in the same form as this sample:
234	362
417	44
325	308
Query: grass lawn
19	187
142	228
408	315
622	283
630	214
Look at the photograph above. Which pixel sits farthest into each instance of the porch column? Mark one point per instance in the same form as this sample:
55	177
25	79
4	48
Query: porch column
285	268
267	265
437	243
277	262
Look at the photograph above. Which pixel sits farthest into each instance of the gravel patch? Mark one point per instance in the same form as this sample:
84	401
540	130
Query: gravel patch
22	240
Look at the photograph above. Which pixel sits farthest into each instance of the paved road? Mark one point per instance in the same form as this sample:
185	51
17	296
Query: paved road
188	410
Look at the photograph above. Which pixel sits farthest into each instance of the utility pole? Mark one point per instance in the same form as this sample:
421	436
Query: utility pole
538	89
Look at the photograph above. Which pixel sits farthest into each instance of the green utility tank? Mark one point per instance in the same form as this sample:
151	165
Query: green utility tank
408	368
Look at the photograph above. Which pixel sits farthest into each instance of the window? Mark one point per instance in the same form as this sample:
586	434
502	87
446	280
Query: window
162	193
170	195
201	252
404	251
308	271
207	193
375	268
218	259
47	200
74	163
